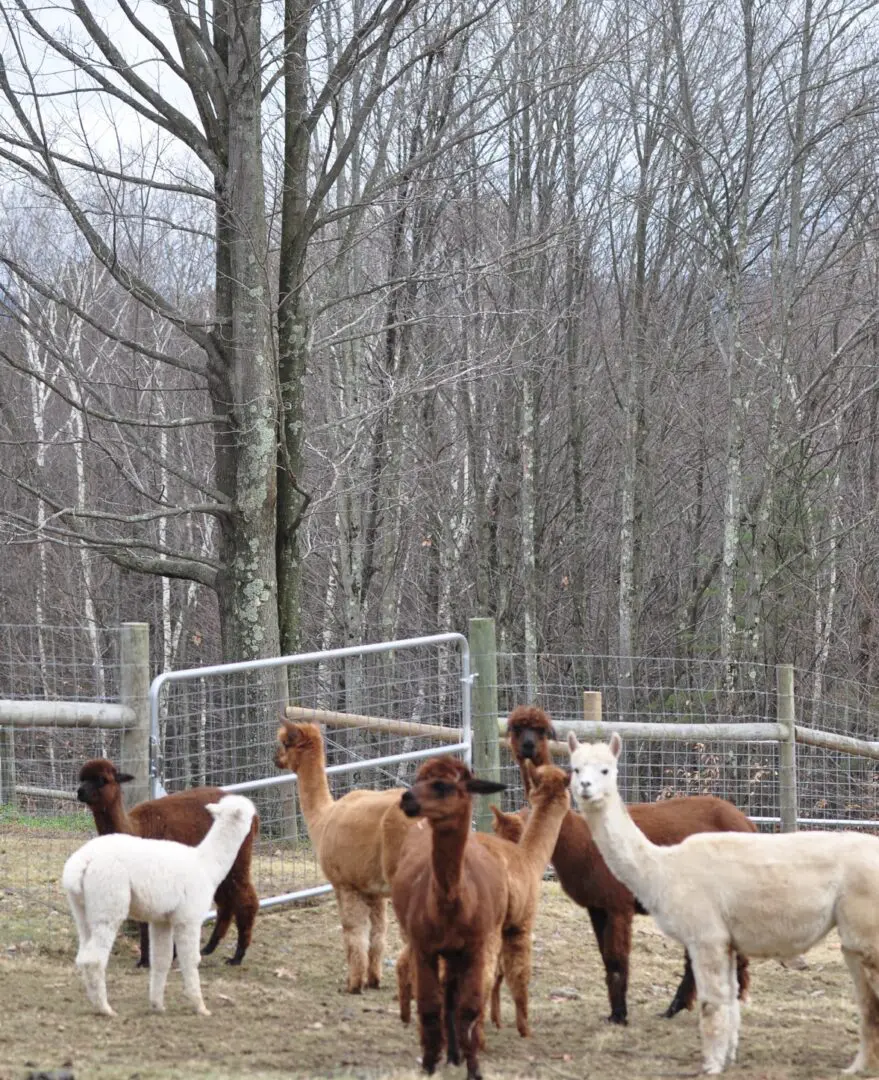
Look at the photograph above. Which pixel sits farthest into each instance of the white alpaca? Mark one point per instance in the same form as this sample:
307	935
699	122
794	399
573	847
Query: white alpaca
763	895
166	884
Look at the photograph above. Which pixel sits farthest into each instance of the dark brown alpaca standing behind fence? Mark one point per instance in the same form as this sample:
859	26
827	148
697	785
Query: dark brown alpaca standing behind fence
181	817
583	873
450	895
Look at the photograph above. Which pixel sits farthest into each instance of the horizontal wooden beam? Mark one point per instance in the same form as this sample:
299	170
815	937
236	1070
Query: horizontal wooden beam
668	732
829	740
44	793
79	714
372	723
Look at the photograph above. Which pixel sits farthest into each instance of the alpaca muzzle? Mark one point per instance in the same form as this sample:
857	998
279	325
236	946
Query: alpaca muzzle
409	804
528	745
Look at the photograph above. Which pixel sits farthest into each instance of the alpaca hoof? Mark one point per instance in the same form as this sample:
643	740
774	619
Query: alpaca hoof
373	983
158	1006
234	961
143	963
107	1011
355	989
453	1058
209	948
616	1018
202	1011
524	1030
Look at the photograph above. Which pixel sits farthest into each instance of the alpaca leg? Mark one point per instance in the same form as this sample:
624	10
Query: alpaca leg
450	1010
468	1012
616	947
494	978
716	988
92	961
734	1007
221	925
187	937
428	993
866	982
355	931
144	933
404	983
685	995
246	909
161	952
378	932
516	956
743	978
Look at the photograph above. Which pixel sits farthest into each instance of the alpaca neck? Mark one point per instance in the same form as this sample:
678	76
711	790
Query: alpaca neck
541	832
219	848
447	859
314	791
112	818
630	856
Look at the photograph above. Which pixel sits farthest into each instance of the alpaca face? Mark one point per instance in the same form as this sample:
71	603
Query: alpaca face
548	784
294	741
95	777
593	771
233	808
443	789
529	729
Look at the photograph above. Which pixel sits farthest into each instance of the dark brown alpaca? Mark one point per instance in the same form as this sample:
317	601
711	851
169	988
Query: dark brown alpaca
450	895
583	873
181	817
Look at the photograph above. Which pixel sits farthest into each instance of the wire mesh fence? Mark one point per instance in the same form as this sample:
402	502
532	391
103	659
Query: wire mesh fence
219	729
833	788
399	701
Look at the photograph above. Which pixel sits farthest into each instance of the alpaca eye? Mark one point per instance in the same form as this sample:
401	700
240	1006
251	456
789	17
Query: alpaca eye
604	772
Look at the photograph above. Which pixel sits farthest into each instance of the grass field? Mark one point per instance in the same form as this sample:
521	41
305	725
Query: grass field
284	1013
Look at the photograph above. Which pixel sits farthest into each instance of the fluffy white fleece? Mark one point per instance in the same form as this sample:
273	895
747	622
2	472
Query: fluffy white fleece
166	884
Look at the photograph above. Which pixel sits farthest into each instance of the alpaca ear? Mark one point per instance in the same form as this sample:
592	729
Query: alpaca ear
123	777
573	743
484	787
552	733
616	745
213	808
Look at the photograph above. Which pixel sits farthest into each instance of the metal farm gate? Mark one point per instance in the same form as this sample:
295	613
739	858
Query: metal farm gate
382	708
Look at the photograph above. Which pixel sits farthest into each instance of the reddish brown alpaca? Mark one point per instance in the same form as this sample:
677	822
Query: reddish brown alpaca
450	895
181	817
583	873
525	862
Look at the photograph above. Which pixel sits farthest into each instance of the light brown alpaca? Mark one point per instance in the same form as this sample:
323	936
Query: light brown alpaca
525	864
450	895
347	838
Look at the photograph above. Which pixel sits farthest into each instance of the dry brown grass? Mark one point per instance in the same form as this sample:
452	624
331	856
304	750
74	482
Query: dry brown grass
284	1011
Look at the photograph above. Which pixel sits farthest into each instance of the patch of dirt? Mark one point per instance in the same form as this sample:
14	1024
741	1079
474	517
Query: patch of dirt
284	1011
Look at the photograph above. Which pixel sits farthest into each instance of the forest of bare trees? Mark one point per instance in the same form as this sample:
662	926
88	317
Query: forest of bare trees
322	324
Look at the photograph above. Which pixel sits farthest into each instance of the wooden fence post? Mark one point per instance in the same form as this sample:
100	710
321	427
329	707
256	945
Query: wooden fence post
787	747
486	750
134	685
7	765
592	706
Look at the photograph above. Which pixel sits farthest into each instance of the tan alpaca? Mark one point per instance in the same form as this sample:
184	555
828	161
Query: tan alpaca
347	838
766	895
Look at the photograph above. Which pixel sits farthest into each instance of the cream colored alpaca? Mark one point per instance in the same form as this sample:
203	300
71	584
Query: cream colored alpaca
763	895
347	838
